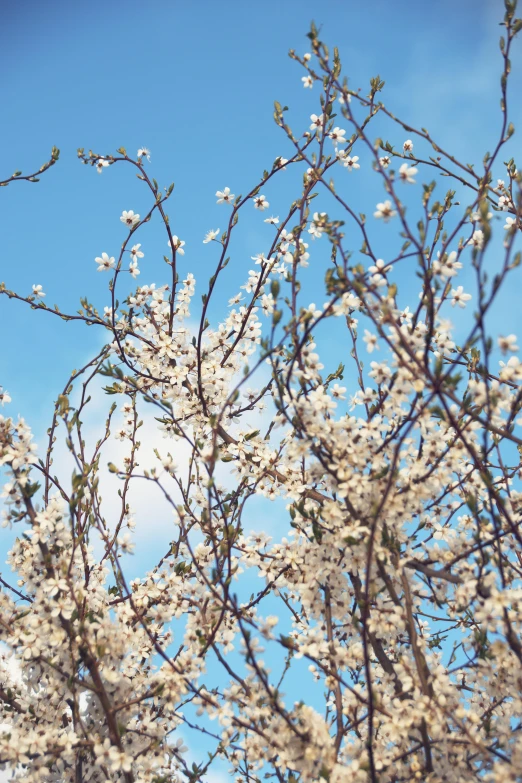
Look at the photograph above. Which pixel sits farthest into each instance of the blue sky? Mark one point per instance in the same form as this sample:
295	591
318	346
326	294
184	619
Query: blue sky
195	82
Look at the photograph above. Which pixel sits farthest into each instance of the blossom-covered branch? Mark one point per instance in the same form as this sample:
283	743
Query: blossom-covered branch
378	637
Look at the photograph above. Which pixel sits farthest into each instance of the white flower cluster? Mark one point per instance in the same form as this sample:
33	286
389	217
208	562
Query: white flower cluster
377	636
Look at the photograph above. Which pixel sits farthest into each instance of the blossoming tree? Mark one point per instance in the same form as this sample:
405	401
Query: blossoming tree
383	641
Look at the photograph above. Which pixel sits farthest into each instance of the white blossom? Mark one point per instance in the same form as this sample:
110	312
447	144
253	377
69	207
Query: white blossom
225	196
105	262
385	211
210	235
459	297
